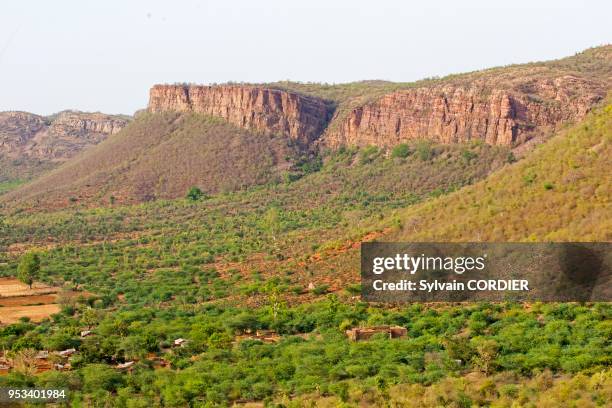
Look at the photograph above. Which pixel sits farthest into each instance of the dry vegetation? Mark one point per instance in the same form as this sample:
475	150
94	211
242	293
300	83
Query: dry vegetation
162	156
560	192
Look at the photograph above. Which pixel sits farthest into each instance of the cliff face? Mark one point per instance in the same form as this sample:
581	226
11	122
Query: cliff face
301	118
57	138
499	110
86	124
495	112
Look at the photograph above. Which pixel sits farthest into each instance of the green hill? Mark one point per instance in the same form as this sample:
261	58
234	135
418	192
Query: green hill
560	192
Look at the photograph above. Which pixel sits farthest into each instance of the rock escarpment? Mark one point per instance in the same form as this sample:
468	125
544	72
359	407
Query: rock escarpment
498	109
56	138
299	117
485	110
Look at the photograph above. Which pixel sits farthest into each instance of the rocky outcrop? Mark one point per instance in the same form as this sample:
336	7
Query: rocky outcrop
86	124
56	138
274	111
485	110
499	110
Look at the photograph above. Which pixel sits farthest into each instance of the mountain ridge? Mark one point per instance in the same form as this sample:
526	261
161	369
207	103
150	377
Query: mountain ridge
503	105
287	128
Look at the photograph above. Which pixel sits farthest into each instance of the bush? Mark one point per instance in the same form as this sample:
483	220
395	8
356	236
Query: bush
468	155
368	154
353	289
100	377
195	194
401	151
423	150
320	289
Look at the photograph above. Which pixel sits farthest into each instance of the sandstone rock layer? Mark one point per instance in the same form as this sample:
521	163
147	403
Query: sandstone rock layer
299	117
27	136
480	110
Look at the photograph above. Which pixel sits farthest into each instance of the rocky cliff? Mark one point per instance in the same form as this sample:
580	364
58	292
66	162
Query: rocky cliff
496	111
56	138
299	117
499	109
499	106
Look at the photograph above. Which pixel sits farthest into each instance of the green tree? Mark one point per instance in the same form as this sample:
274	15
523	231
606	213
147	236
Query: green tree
195	194
28	268
100	377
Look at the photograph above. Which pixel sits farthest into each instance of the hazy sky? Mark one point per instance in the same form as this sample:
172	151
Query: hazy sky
105	55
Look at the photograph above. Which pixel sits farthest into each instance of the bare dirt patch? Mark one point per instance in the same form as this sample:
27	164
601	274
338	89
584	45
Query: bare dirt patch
28	300
11	314
10	287
18	300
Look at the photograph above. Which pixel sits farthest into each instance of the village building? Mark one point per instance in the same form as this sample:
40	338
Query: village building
365	333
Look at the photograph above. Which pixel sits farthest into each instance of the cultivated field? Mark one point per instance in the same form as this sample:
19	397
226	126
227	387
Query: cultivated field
17	300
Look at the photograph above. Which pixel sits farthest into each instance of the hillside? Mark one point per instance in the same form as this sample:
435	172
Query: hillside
162	156
593	64
32	144
560	192
260	133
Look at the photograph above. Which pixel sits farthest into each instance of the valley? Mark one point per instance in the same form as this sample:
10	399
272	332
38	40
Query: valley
209	250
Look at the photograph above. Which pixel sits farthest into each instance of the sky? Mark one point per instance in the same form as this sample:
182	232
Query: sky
105	55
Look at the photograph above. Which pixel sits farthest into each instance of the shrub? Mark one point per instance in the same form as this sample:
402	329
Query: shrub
401	151
194	194
353	289
320	289
368	154
423	150
468	155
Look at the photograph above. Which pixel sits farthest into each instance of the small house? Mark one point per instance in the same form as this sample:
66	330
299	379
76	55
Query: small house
365	333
